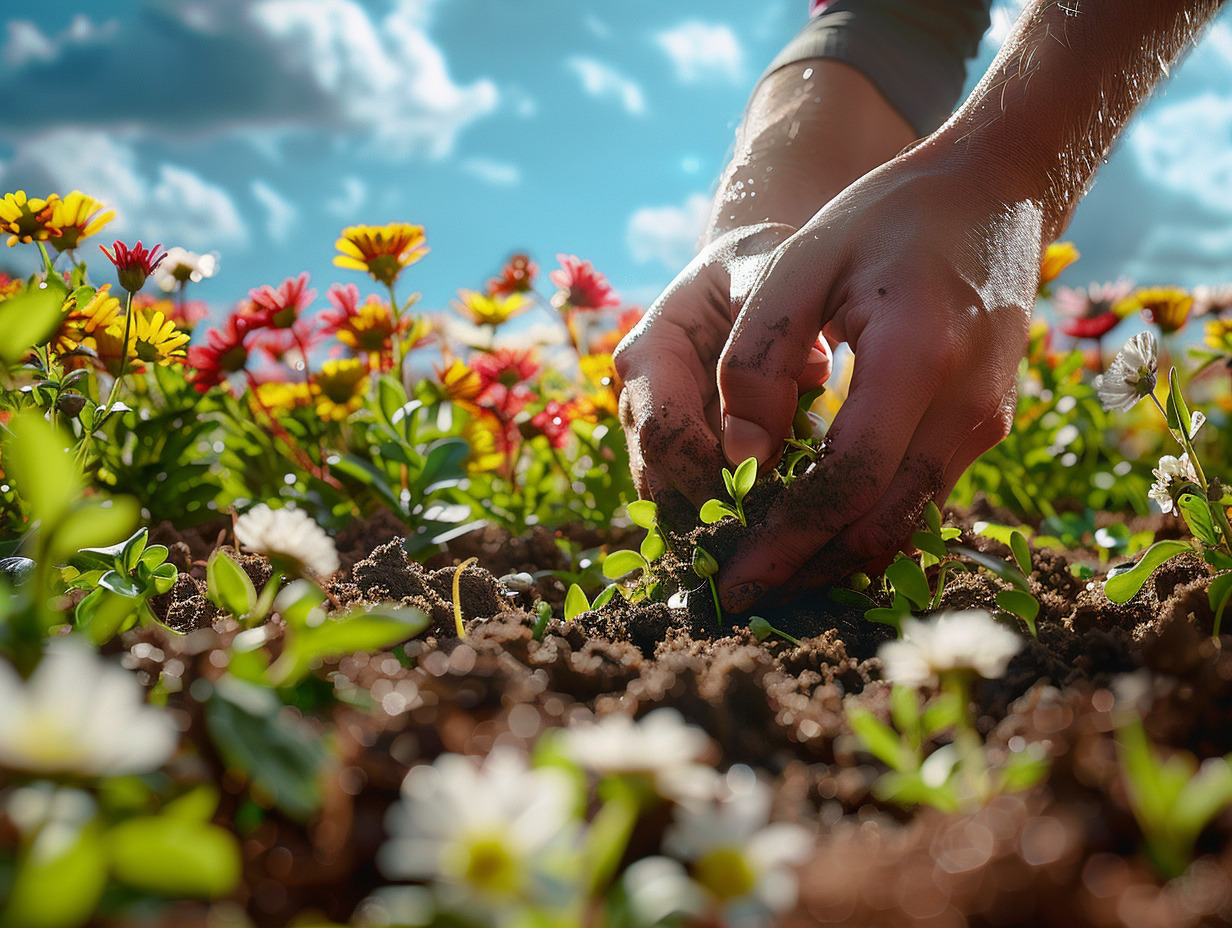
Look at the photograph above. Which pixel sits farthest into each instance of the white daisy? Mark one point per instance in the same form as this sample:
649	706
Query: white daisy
288	535
487	829
1171	469
1131	375
660	746
743	863
80	714
967	640
182	266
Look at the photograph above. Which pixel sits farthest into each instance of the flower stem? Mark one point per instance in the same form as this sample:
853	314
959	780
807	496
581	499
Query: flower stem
47	260
119	377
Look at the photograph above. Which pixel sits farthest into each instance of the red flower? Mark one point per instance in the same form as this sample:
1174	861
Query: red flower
553	422
133	267
224	353
581	286
1091	326
504	374
281	307
517	276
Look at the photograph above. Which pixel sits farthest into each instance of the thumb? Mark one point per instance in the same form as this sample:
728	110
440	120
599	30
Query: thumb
772	347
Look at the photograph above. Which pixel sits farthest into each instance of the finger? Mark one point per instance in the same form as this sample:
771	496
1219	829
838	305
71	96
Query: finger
769	350
870	436
817	367
989	433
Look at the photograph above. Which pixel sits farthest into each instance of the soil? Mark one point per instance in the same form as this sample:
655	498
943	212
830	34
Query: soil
1066	853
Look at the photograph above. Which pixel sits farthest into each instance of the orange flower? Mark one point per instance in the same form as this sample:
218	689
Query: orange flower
459	383
381	251
1057	257
625	322
517	276
603	397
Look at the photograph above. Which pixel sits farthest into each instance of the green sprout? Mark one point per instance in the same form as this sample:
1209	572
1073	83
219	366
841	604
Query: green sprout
762	630
705	566
738	486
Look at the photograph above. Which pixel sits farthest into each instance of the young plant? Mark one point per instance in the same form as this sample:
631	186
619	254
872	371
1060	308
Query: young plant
1173	798
705	566
738	486
576	602
762	630
121	578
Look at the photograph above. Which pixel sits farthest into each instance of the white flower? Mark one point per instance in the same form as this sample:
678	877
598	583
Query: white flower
287	534
80	714
967	640
742	862
486	829
661	745
182	266
1171	468
1131	375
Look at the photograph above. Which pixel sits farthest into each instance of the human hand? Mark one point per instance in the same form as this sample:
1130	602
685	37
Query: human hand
670	405
931	279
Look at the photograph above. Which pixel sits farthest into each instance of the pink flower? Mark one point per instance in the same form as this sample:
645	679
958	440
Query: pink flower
581	286
133	267
281	307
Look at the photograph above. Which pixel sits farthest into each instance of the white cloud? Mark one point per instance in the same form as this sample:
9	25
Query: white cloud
281	215
1004	14
606	83
597	27
703	52
352	198
328	65
1186	147
491	171
668	234
168	203
27	43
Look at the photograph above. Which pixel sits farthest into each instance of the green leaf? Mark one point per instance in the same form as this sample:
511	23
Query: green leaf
619	563
605	595
37	459
119	583
30	318
643	513
1003	569
744	478
1197	513
575	602
1022	552
653	546
714	510
879	739
279	755
365	629
59	881
228	586
91	521
1123	585
101	615
908	579
1220	594
905	711
932	517
930	543
1179	417
175	857
1021	604
729	481
297	602
391	395
442	464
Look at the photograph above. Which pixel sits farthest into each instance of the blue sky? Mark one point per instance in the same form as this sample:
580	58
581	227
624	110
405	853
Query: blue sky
260	128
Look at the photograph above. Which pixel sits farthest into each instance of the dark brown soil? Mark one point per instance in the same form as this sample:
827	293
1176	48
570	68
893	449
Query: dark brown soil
1063	854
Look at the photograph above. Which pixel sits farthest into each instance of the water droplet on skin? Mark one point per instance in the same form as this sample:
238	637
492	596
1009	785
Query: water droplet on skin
808	72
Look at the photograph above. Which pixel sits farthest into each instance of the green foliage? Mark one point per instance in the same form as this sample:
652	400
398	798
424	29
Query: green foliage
1123	583
738	486
121	580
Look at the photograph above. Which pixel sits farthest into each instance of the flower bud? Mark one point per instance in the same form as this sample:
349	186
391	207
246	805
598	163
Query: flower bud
704	564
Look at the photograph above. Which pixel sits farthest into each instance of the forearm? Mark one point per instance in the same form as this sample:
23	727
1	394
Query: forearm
1066	81
811	128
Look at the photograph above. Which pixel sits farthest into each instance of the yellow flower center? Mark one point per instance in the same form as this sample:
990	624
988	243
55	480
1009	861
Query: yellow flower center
487	863
726	873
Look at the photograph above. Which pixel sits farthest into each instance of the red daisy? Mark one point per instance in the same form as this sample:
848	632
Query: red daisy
581	286
517	276
281	307
224	353
553	422
1091	326
133	267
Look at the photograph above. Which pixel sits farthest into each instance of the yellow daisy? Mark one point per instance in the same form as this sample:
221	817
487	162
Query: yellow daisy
1219	335
482	309
603	397
77	216
1057	257
341	385
27	220
80	322
279	397
459	383
381	251
1167	307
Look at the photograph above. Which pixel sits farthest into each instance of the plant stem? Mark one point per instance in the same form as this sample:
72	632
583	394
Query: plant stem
115	384
714	594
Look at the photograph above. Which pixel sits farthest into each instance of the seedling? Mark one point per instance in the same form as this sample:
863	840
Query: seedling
738	486
576	602
762	630
121	578
705	566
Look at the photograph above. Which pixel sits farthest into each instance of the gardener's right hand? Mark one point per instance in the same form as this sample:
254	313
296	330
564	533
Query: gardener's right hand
670	403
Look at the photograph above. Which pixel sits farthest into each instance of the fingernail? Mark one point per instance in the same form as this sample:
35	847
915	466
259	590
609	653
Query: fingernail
742	596
743	439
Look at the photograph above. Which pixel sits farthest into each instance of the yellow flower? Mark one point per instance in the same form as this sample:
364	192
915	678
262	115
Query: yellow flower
77	216
27	220
381	251
1219	335
341	385
1057	257
80	322
152	338
278	397
481	433
459	383
482	309
603	397
1167	307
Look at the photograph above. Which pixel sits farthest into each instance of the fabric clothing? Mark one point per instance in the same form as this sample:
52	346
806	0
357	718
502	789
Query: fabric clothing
914	51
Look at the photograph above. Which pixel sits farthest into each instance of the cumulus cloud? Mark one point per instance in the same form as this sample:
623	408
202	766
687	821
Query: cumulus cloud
491	171
276	64
164	203
702	52
281	215
668	234
604	82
